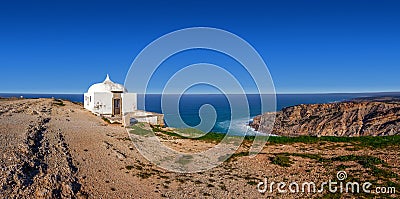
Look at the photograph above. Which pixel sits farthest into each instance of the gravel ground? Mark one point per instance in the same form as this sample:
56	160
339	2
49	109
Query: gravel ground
60	150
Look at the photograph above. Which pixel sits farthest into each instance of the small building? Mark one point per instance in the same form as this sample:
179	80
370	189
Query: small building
112	100
109	98
143	116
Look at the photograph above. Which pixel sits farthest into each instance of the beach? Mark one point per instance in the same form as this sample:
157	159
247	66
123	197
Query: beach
57	149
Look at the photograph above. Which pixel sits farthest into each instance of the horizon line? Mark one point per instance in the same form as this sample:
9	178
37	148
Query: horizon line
277	93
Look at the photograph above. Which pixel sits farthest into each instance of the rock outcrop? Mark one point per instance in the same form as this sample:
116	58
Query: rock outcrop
359	117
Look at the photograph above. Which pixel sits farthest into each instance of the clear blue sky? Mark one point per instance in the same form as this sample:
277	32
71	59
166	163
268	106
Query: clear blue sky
309	46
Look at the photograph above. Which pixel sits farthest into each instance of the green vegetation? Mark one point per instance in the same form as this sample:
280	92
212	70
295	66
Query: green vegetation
236	155
379	170
190	132
373	164
357	142
365	161
58	102
211	137
140	131
194	134
157	128
306	155
363	141
140	124
217	137
281	160
106	120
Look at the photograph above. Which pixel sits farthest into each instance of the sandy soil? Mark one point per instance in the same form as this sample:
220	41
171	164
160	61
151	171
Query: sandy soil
60	150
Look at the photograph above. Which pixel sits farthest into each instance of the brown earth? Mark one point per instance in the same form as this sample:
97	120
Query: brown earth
57	149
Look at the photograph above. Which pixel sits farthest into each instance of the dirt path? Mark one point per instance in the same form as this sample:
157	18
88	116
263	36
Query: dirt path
62	151
101	152
41	164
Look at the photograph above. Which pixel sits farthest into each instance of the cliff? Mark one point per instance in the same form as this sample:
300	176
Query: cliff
359	117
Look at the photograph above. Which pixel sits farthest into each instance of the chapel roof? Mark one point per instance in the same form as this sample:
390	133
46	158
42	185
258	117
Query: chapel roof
107	86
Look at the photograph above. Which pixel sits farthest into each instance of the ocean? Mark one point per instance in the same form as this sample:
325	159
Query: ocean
190	104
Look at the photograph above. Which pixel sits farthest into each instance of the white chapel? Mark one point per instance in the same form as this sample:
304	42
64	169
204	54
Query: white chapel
109	98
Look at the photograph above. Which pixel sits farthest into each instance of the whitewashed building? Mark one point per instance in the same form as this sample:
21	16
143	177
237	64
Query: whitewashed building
109	98
113	101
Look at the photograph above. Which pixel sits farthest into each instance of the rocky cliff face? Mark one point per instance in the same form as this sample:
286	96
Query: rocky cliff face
360	117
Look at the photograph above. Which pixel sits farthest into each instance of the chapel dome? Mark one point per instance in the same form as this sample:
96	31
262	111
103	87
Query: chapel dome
107	86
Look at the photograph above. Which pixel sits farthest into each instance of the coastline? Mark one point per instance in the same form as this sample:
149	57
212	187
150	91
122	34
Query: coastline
190	105
367	116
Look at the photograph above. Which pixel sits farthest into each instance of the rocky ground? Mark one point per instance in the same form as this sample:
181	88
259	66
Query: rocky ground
57	149
379	116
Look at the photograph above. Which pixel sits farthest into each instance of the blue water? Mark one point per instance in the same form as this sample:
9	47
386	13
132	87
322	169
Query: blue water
70	97
190	104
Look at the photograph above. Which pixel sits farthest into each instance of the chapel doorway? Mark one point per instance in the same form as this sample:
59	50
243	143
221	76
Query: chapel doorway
116	106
